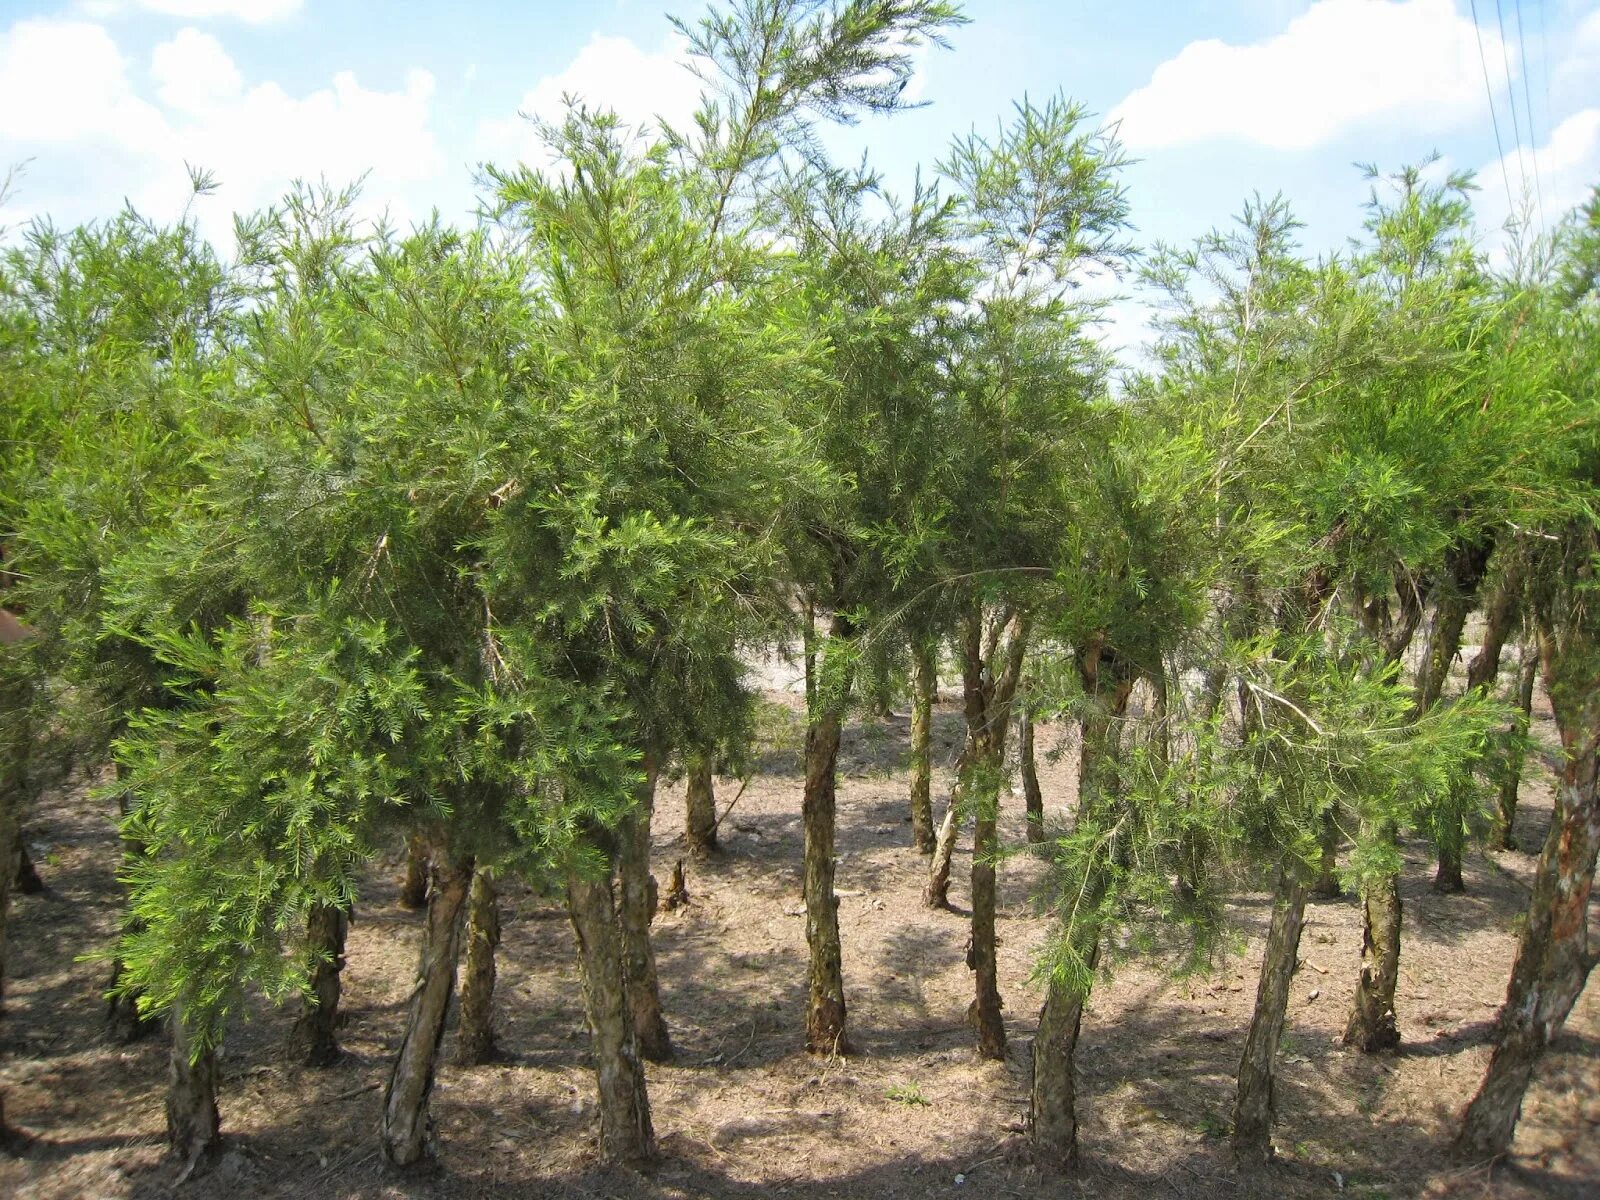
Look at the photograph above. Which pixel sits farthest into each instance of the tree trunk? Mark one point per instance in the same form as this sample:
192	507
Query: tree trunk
924	687
1253	1110
1372	1020
1327	885
315	1041
637	908
1452	841
1053	1112
475	1042
1032	793
124	1022
825	1007
626	1135
937	892
28	881
193	1127
986	1004
414	887
1553	959
701	801
1511	769
406	1130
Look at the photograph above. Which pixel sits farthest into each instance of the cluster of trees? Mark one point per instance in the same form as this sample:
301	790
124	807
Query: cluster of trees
463	538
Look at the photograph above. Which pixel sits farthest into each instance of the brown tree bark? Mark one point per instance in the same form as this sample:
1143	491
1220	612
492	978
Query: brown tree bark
988	701
193	1126
1371	1027
405	1133
1253	1108
637	909
414	886
626	1135
1032	793
1511	769
825	1006
1553	957
924	688
701	801
315	1039
936	893
1053	1111
1327	885
475	1042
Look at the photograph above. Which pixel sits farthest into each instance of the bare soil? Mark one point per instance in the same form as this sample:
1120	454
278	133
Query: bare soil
742	1111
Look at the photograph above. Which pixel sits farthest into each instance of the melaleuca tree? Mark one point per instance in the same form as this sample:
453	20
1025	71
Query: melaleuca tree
1554	959
1033	209
115	333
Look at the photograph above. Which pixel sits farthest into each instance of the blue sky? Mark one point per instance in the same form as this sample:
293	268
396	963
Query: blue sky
107	99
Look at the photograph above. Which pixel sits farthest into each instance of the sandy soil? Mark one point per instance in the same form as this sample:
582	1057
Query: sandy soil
742	1112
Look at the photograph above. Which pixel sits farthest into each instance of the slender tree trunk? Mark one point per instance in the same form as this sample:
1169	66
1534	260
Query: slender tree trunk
637	909
475	1042
193	1127
986	1004
1511	769
414	887
1372	1020
1053	1112
406	1130
1553	958
315	1039
825	1007
924	687
936	894
28	881
626	1135
1253	1110
1452	843
1327	885
1032	793
701	801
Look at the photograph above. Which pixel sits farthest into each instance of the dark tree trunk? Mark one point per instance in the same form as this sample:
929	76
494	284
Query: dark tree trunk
1452	841
414	887
1053	1113
1032	793
924	688
1511	768
637	909
1253	1110
701	802
626	1135
1553	958
315	1040
988	702
28	881
406	1130
825	1007
124	1022
1327	885
475	1042
193	1127
1372	1020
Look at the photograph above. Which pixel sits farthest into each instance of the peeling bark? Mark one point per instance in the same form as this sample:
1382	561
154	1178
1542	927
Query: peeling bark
405	1133
700	799
1254	1106
637	909
1372	1019
414	887
626	1134
825	1006
1052	1112
475	1042
936	893
193	1126
315	1040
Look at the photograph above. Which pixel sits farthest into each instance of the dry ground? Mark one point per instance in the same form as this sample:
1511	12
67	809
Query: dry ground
742	1112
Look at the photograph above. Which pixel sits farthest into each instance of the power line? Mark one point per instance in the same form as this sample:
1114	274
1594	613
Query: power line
1511	97
1511	205
1533	141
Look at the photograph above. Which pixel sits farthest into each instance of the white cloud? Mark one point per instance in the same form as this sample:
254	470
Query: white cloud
194	72
1568	167
67	101
610	72
1340	65
253	12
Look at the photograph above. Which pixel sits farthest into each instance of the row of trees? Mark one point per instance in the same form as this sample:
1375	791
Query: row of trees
463	537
